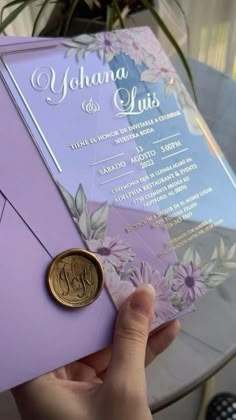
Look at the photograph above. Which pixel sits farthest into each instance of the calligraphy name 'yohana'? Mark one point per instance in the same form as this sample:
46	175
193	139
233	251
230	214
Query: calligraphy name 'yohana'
44	78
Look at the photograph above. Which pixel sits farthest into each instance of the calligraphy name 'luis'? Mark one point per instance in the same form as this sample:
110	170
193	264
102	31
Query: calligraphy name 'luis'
130	103
44	78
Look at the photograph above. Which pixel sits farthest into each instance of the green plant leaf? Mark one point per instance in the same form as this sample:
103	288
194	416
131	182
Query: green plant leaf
169	35
118	12
11	4
69	17
38	17
185	22
13	15
109	18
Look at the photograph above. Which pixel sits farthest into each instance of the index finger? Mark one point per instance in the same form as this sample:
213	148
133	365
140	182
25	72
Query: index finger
160	340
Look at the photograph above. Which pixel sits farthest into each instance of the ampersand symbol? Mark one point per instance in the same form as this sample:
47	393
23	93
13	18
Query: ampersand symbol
90	106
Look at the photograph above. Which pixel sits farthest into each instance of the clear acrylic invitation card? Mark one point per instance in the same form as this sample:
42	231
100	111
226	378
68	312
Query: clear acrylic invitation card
145	182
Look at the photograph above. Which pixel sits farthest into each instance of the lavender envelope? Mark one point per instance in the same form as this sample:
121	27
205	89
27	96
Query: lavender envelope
36	334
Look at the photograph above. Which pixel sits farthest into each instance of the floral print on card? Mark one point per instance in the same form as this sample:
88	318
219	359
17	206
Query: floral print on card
180	286
141	46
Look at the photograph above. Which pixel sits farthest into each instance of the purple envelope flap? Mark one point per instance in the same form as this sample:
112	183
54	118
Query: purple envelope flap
40	332
27	184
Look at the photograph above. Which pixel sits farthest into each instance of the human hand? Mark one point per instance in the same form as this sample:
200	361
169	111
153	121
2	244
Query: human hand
108	385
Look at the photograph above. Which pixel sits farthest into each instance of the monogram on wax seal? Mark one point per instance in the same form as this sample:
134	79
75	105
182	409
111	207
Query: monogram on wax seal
75	278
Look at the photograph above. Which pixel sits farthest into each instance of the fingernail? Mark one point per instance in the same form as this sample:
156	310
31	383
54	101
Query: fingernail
142	300
149	288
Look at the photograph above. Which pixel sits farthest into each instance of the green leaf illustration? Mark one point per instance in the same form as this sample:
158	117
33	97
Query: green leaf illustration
80	200
86	53
126	274
169	275
84	224
101	54
84	39
176	300
188	256
230	264
208	268
71	44
108	57
215	254
99	233
70	52
100	216
221	248
169	88
149	76
69	199
231	252
79	54
196	259
215	279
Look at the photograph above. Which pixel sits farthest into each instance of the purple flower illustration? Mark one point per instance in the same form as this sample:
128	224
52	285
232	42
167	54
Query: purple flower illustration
112	251
133	49
119	289
107	45
157	69
188	282
164	309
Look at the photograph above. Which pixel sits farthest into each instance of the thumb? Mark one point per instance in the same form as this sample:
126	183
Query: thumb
131	335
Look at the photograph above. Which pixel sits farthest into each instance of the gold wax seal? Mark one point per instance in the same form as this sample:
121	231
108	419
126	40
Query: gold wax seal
75	278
